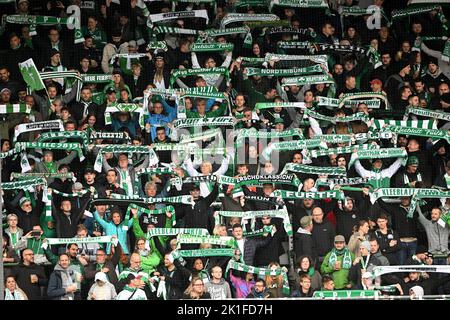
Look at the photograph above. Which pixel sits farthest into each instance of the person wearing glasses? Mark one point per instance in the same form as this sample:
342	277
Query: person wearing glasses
196	290
259	290
29	276
102	264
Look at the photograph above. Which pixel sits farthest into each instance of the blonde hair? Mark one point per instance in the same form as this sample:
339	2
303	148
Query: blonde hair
274	281
190	289
216	230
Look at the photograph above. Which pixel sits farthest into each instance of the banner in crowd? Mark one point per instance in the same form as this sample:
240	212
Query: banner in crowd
31	75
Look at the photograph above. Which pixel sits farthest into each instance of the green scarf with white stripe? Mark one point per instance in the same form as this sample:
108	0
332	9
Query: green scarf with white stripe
306	169
378	153
15	108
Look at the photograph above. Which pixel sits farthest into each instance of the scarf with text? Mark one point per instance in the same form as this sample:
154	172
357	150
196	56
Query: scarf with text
155	232
214	240
293	145
33	21
153	158
202	122
377	154
255	134
436	114
36	126
307	169
282	72
318	195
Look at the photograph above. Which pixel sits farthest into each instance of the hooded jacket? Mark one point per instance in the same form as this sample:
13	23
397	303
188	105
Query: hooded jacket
218	291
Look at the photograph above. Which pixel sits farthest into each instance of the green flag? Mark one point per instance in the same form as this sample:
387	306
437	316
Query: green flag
31	75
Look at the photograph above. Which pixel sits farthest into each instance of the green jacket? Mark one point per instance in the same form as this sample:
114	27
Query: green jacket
340	277
149	263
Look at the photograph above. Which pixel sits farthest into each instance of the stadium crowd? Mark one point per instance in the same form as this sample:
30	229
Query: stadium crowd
214	149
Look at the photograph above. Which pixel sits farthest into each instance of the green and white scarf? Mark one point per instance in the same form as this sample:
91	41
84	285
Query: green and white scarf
340	48
299	4
15	108
71	146
103	239
36	126
378	153
250	61
245	17
360	116
34	21
262	272
357	11
380	270
429	133
304	80
27	184
320	59
345	100
307	169
202	253
177	73
252	133
422	124
347	260
257	233
340	150
210	47
46	136
270	105
400	13
154	232
341	181
282	72
124	107
300	31
165	29
153	158
346	294
299	45
109	135
44	175
148	212
436	114
407	192
202	122
96	78
293	145
318	195
205	135
290	179
80	193
214	240
186	199
155	45
282	213
168	16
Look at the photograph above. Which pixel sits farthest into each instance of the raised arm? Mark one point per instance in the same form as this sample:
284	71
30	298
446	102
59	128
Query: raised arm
194	59
361	170
190	167
389	172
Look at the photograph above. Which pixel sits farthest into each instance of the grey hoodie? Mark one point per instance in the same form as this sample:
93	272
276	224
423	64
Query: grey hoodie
218	291
436	234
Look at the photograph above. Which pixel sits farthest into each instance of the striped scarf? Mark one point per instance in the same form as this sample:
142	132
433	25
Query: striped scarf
15	108
377	154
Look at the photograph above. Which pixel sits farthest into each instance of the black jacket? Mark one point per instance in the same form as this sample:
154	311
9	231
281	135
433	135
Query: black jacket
383	240
406	227
323	237
176	281
22	274
271	251
199	216
345	221
250	247
304	245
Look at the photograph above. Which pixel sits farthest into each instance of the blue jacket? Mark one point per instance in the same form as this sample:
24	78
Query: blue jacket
115	230
161	119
